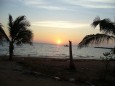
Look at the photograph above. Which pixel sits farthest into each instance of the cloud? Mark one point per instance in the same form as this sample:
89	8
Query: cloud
69	5
44	4
48	7
92	3
33	2
59	24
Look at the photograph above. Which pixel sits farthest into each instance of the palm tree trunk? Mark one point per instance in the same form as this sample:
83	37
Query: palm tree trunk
71	65
11	48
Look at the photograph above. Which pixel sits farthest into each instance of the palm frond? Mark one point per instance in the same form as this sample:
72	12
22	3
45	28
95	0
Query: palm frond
24	37
95	39
10	23
19	24
96	21
21	21
10	20
3	34
1	37
106	25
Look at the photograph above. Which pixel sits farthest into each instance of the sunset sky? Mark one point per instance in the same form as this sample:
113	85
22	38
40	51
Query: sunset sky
57	21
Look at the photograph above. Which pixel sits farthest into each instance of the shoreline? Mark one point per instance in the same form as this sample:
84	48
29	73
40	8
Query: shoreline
54	57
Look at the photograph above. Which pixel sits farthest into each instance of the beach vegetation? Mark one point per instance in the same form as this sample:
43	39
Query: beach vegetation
107	56
107	29
18	31
2	34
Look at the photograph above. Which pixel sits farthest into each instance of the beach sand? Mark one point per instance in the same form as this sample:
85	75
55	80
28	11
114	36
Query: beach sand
28	71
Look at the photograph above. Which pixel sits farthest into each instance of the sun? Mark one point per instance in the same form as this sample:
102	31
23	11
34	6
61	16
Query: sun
58	41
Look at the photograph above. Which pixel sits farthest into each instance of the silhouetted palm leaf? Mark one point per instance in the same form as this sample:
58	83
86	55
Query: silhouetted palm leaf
108	29
106	25
19	30
96	21
3	34
24	37
95	39
10	25
18	25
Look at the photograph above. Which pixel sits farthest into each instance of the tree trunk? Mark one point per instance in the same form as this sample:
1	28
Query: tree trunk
71	65
11	48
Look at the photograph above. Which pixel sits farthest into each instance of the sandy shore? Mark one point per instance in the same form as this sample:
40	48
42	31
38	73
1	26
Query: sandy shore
54	72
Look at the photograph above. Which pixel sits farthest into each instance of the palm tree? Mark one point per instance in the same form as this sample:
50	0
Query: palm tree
107	27
19	33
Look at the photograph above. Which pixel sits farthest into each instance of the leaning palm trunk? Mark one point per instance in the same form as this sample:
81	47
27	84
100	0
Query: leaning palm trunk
11	48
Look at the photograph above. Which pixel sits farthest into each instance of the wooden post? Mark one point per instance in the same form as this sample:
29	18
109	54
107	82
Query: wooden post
71	66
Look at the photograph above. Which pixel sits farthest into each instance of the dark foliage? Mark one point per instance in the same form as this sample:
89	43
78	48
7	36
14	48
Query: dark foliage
107	27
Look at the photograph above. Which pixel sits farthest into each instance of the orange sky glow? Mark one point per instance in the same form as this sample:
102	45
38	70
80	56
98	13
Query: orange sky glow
53	32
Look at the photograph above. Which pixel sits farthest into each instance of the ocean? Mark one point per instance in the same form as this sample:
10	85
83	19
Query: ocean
53	51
